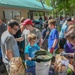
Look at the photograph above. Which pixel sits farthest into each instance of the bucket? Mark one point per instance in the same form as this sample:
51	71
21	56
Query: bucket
42	67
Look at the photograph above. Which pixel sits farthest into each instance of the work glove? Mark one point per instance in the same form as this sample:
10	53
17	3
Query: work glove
52	50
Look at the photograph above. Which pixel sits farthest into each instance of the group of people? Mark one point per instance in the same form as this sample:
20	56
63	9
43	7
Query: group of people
24	37
8	41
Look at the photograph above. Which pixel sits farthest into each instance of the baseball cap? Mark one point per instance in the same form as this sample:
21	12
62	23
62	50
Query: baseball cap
27	22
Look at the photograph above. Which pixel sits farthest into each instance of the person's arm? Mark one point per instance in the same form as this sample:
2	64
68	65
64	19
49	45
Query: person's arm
9	54
55	42
26	52
19	39
9	47
40	39
56	38
55	35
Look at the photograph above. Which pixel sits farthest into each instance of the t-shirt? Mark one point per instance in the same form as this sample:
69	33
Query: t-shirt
53	35
63	30
25	34
30	50
3	28
69	48
8	42
44	33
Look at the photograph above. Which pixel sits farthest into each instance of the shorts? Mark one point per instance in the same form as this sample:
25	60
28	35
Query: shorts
31	70
0	53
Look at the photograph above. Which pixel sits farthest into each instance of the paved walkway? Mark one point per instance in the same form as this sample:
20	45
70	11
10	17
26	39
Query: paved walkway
51	72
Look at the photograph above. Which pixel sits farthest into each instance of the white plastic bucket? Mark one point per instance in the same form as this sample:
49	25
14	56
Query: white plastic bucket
42	68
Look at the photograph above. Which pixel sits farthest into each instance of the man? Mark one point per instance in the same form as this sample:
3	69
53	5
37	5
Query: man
2	29
63	31
28	24
53	37
9	45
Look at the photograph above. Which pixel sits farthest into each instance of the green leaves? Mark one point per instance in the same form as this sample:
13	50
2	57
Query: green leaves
67	6
58	5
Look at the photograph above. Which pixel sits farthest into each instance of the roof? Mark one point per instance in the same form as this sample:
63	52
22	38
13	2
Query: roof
28	4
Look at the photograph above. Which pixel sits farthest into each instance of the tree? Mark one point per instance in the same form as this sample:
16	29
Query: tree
66	6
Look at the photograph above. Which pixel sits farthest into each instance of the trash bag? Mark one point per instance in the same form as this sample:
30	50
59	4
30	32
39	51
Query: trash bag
42	56
16	66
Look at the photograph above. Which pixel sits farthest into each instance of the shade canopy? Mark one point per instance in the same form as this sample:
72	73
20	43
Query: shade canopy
28	4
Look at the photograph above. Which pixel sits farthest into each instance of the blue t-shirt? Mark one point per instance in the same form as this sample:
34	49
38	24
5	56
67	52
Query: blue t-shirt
53	35
63	30
30	50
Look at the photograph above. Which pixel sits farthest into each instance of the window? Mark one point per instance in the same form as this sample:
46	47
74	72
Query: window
12	14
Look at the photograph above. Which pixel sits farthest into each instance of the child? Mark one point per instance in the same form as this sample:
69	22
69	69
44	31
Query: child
30	53
53	37
70	46
45	36
28	24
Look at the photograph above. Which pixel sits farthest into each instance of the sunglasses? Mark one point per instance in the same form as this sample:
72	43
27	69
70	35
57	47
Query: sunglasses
15	29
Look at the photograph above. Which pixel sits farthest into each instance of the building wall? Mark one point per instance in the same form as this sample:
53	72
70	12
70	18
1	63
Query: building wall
24	12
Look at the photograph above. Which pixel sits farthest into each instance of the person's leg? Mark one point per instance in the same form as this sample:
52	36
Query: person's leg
7	65
1	63
31	70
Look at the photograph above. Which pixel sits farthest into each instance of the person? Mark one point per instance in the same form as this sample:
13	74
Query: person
21	44
9	45
61	21
70	45
45	36
41	21
50	17
28	24
45	18
57	19
30	50
53	36
4	21
64	28
2	29
21	21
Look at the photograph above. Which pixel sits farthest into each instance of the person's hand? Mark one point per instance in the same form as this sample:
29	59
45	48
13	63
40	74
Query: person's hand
52	50
33	59
22	38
